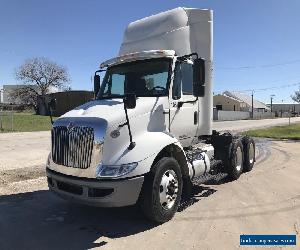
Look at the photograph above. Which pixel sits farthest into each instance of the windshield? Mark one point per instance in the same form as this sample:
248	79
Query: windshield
143	78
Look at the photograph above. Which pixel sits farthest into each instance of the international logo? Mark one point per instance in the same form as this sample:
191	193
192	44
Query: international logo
70	127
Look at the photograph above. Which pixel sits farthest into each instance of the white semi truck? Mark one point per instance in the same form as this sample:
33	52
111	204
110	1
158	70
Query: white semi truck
147	136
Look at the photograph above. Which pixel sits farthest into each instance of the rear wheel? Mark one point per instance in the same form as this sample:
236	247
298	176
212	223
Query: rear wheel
249	153
161	192
236	160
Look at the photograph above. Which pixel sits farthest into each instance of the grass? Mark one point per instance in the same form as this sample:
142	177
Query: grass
280	132
24	122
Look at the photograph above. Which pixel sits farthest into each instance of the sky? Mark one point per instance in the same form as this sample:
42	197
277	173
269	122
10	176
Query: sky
256	43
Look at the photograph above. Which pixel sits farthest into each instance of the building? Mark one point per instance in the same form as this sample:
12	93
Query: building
228	103
8	89
66	101
280	108
235	101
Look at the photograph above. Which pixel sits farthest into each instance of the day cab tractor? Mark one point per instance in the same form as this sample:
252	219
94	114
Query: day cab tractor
147	135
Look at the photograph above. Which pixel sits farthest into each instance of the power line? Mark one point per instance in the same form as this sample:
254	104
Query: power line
259	66
268	88
269	82
272	88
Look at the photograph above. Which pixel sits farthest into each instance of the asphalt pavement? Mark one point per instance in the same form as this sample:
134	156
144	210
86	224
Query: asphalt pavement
263	201
19	150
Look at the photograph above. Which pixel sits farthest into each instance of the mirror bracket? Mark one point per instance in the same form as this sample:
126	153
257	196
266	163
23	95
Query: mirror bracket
180	103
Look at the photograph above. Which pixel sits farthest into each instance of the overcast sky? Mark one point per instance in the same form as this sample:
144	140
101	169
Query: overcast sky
256	43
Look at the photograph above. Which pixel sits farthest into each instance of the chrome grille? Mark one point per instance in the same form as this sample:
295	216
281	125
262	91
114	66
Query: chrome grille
72	147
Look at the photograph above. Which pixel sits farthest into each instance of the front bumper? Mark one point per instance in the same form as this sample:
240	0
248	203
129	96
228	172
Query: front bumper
101	193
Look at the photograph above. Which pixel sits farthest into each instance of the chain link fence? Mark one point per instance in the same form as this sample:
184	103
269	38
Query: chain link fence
6	113
6	121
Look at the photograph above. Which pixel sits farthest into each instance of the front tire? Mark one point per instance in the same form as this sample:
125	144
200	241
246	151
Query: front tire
162	189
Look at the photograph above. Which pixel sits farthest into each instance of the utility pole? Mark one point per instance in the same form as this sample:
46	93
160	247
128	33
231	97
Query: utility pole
252	114
272	103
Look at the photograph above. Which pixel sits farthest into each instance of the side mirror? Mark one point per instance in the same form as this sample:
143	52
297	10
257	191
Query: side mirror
130	101
52	104
199	77
96	84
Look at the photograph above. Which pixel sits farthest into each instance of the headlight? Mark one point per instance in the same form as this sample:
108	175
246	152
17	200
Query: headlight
112	171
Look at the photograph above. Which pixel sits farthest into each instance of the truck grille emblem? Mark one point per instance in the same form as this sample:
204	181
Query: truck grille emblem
70	127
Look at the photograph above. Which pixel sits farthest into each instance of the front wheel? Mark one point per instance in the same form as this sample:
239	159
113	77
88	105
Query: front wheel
162	189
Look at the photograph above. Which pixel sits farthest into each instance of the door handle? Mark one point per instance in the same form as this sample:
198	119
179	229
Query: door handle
196	117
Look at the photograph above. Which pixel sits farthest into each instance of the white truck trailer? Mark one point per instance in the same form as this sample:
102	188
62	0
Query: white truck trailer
147	136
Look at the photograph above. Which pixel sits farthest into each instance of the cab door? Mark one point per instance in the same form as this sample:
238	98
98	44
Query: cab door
183	105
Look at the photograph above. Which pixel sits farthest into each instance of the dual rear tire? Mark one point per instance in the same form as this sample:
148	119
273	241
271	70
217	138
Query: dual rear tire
241	157
235	161
249	153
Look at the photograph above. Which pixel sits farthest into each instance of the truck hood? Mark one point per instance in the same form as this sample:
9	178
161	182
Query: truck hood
112	110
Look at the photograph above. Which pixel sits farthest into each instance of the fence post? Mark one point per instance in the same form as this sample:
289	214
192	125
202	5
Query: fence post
1	128
12	118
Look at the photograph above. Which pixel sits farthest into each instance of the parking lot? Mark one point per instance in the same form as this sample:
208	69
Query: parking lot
263	201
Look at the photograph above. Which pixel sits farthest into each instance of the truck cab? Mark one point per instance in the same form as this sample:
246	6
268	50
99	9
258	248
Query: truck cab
147	135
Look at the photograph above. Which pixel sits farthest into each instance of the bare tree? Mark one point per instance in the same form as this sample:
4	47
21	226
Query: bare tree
39	75
296	96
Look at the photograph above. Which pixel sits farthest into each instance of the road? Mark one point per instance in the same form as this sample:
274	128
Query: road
19	150
263	201
242	125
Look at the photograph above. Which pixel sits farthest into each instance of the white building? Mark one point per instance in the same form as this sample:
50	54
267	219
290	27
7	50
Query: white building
6	90
257	105
285	108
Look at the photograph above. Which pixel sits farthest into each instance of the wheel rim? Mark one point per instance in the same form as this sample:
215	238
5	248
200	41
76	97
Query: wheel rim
168	189
251	153
239	158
